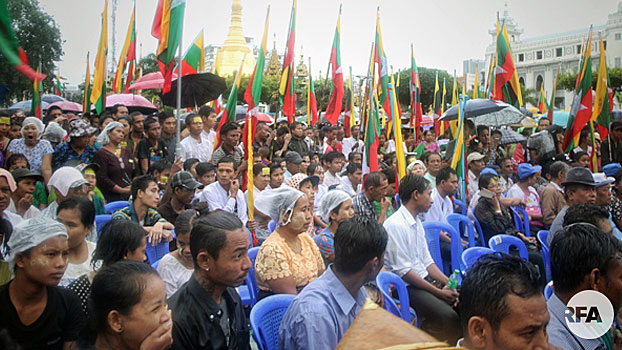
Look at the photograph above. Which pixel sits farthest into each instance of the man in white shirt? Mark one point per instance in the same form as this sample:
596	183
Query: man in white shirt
352	144
225	194
351	183
335	161
292	161
407	255
22	198
209	118
476	163
196	145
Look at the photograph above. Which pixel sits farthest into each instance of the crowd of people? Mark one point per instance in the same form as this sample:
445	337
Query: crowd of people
325	227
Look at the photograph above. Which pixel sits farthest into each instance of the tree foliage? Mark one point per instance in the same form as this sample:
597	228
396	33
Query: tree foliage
40	37
567	81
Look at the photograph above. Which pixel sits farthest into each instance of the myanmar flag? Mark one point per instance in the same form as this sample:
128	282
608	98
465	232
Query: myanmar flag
415	90
194	58
128	54
542	104
167	27
98	94
372	134
86	104
437	104
380	58
35	103
287	94
9	46
507	87
603	103
311	100
58	89
333	110
253	91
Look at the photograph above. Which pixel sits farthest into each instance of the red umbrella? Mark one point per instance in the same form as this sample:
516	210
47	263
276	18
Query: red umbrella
263	117
67	106
149	81
132	102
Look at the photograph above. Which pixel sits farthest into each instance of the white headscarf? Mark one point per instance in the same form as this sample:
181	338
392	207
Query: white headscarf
331	200
278	203
54	132
36	122
30	233
103	137
65	178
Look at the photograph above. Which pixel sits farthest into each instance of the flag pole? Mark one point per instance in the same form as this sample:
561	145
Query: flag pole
179	54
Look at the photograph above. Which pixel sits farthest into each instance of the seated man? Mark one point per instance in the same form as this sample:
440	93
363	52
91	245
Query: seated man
142	209
582	258
376	184
552	197
351	183
183	186
325	309
407	255
36	313
207	311
512	315
590	213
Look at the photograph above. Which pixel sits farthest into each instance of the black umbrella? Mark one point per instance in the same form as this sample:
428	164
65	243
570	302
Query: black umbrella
484	111
196	90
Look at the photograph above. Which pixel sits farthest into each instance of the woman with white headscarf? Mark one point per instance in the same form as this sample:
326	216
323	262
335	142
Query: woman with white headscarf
335	207
289	259
37	151
116	164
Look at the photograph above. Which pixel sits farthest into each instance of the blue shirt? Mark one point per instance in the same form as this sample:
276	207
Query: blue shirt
320	315
559	333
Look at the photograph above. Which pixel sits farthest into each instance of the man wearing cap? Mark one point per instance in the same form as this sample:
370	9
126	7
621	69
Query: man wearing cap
77	146
22	198
611	147
183	187
292	161
603	189
475	161
552	197
579	188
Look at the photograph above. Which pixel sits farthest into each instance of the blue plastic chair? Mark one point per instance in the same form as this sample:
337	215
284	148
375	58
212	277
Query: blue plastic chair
471	255
114	206
272	226
155	264
249	291
250	236
502	243
156	252
101	221
432	232
478	227
463	207
384	281
266	317
522	224
465	226
548	290
542	237
398	202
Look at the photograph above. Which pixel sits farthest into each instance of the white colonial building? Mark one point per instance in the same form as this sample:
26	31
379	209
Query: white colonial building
538	59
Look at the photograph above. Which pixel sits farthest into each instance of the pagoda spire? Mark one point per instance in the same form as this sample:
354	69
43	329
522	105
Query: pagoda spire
234	49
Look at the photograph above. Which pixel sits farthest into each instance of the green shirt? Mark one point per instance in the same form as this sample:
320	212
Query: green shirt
389	211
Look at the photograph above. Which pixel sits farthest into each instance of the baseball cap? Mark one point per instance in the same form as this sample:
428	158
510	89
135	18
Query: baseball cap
489	171
526	170
474	156
185	179
579	175
611	168
601	179
293	157
21	173
79	128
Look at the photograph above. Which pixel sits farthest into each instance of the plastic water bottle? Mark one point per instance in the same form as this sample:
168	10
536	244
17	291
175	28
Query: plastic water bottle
453	280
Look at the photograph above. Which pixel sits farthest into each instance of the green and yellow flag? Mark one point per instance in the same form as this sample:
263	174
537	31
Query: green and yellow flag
98	94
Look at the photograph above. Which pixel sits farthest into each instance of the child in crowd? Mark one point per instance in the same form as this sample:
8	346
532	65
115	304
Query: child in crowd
19	161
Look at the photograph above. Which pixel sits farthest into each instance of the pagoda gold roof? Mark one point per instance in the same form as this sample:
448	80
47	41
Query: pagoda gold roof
234	49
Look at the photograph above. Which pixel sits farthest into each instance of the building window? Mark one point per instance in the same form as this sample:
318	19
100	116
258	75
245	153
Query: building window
539	82
538	55
618	36
521	81
558	52
605	44
521	57
618	62
578	49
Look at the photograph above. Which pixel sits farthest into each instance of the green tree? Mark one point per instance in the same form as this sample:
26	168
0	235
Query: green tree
40	38
567	81
149	64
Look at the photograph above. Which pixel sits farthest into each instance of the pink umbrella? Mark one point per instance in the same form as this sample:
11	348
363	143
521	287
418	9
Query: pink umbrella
263	117
149	81
131	101
67	106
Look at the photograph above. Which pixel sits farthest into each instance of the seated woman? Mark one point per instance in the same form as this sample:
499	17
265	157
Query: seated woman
176	267
523	189
120	240
129	306
78	216
494	219
336	206
289	259
309	186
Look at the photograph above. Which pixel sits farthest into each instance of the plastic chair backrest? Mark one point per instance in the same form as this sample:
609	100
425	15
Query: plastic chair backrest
463	208
398	202
384	281
432	231
251	282
502	243
548	290
471	255
101	221
155	264
480	233
266	317
272	226
522	224
250	236
462	223
156	252
114	206
542	236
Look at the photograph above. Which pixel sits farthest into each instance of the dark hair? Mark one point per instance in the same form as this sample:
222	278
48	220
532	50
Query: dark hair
258	168
277	165
411	183
331	156
141	183
488	283
203	168
468	123
357	241
310	169
557	167
481	128
126	118
499	161
205	111
209	233
485	179
282	131
444	174
51	108
226	159
390	175
293	125
576	250
185	220
188	163
496	132
230	126
353	167
189	118
430	130
589	213
115	108
14	158
374	179
103	118
427	155
134	114
149	122
577	155
159	166
164	115
118	238
84	206
118	287
350	156
617	176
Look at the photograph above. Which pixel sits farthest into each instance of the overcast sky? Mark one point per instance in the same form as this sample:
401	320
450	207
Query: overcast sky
443	32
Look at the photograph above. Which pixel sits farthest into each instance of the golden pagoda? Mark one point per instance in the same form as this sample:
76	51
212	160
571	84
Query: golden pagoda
235	47
301	71
274	66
